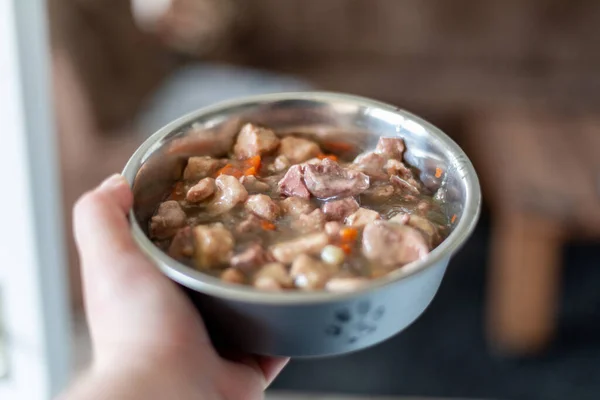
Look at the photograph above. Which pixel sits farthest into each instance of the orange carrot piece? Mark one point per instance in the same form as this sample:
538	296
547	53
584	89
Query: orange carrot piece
332	157
438	172
230	170
453	219
347	248
348	234
266	225
178	192
250	171
253	162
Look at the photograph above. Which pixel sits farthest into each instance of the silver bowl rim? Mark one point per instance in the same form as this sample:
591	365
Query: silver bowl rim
209	285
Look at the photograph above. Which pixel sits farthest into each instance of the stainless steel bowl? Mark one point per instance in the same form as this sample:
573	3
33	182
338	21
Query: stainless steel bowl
316	323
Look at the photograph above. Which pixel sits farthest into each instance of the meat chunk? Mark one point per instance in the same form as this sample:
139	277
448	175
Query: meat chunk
371	164
379	193
253	184
401	218
230	192
232	275
313	243
311	274
201	190
273	277
249	259
338	210
427	228
295	206
292	184
404	185
395	167
423	207
346	284
263	206
250	224
312	222
255	141
313	161
327	179
280	164
390	244
362	217
200	167
298	150
182	245
332	229
390	147
214	245
168	219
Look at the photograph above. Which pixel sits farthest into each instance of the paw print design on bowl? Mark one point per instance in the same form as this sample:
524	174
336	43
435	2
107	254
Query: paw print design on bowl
352	324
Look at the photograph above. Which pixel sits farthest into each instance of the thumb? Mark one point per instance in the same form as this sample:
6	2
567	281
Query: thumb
110	259
130	304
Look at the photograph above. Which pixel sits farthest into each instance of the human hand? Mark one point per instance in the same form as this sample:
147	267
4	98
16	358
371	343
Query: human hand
149	342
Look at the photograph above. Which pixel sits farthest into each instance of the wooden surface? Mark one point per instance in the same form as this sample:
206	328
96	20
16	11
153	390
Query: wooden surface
523	282
541	179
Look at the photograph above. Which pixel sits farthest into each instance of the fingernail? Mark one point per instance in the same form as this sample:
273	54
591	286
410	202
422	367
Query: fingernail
113	181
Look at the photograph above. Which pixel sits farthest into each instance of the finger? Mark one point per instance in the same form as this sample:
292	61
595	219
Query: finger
271	367
117	187
267	368
103	236
100	218
128	300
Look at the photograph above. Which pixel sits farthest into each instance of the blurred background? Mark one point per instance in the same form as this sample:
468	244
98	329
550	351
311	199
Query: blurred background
515	83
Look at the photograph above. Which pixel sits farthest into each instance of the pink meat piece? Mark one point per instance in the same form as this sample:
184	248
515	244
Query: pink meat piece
250	224
230	192
168	219
379	193
309	222
213	244
312	243
182	245
292	184
295	206
391	147
392	245
262	206
328	179
429	230
298	150
332	229
201	190
371	164
338	210
273	277
254	140
311	274
404	185
361	217
200	167
395	167
233	275
249	259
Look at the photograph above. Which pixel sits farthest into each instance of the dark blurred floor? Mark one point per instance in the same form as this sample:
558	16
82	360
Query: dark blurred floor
444	353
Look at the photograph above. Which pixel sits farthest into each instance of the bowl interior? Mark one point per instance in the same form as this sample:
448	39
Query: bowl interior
330	119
